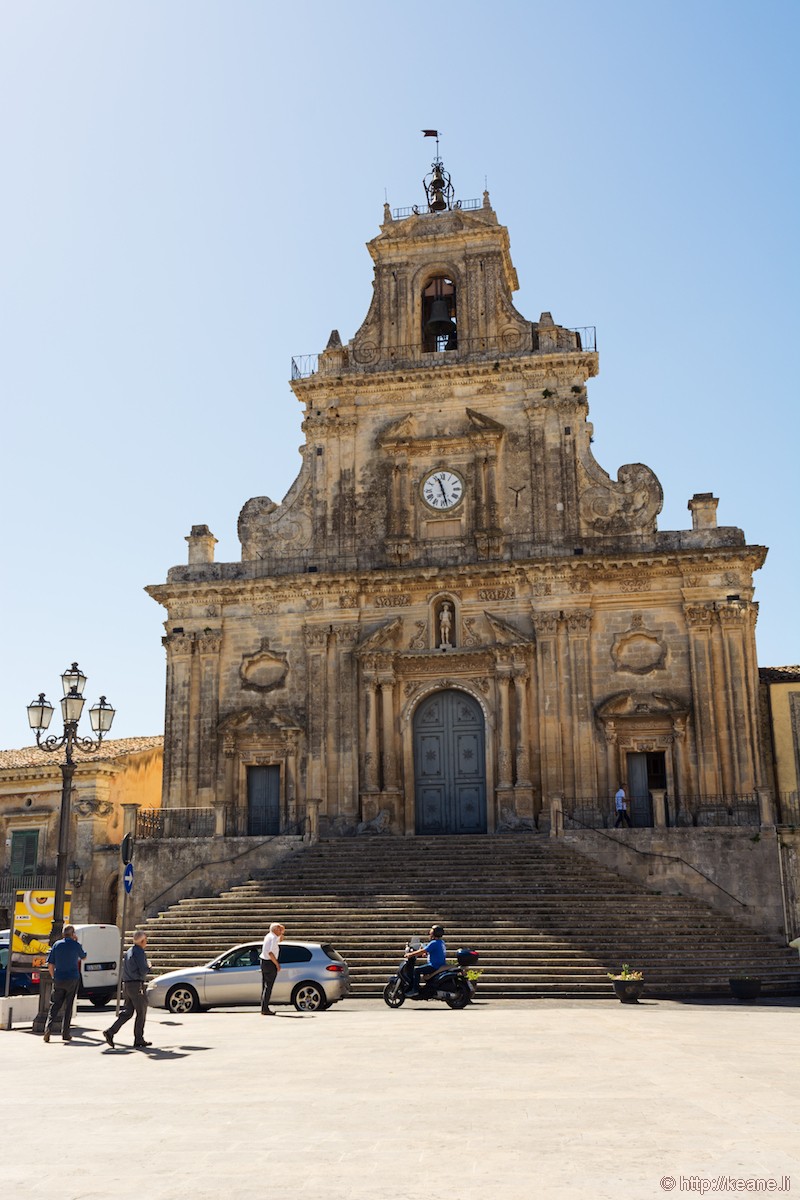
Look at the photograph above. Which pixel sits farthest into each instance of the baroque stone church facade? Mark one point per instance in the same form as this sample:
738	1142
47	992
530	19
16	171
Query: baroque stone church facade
456	615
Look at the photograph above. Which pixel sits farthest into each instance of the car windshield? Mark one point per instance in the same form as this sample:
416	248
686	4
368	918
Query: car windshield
332	954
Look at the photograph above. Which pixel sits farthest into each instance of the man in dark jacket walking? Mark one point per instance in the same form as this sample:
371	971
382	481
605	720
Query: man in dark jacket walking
135	969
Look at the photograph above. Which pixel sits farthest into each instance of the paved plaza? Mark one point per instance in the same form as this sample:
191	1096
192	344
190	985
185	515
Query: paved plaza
506	1100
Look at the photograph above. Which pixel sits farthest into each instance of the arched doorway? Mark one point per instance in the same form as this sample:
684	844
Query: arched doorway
450	764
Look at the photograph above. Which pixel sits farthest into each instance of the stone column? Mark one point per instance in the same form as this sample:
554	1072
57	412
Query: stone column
371	760
346	638
659	808
389	735
556	816
766	807
723	706
504	760
291	739
179	647
568	726
734	624
699	619
316	640
546	624
208	647
220	818
129	813
583	739
523	788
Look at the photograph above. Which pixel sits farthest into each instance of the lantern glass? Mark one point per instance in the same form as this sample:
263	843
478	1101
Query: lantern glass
101	715
40	713
73	678
72	706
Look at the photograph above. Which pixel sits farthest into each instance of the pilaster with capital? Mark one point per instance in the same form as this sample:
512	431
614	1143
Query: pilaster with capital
316	642
699	620
386	682
504	759
735	626
578	625
371	734
346	637
208	650
179	648
549	714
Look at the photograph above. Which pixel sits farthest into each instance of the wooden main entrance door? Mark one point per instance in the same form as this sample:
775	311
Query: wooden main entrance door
263	801
449	765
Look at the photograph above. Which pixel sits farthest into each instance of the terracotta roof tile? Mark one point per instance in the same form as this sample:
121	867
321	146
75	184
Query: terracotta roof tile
32	756
779	674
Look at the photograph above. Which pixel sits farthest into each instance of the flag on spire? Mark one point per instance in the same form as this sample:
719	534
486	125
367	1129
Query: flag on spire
430	133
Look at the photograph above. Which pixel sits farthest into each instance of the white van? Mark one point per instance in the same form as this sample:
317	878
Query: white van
99	968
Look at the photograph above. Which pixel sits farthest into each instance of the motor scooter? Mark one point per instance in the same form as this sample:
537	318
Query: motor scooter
449	984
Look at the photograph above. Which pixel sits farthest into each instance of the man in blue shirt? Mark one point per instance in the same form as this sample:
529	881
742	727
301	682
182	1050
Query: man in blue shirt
63	963
436	952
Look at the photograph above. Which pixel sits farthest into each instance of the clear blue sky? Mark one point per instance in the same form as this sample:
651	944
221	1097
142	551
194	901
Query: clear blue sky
187	190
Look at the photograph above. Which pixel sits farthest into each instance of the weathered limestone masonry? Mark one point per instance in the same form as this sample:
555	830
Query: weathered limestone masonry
456	614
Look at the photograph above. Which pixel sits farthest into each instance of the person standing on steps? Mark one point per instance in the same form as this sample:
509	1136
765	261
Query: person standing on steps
135	969
63	963
270	965
621	804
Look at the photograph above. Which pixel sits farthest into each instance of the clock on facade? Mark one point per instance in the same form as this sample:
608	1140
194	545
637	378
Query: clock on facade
442	489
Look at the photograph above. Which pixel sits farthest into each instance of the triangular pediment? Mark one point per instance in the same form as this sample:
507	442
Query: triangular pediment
385	637
506	634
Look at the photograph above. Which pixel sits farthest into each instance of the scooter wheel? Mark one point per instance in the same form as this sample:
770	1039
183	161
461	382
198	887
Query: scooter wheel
393	994
460	997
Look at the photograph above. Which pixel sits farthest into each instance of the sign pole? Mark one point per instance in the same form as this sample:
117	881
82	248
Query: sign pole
126	876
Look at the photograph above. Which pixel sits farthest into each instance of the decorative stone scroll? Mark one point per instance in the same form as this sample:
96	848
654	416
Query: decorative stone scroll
638	650
264	670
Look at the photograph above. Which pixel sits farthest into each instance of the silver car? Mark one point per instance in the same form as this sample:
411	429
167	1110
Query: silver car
311	977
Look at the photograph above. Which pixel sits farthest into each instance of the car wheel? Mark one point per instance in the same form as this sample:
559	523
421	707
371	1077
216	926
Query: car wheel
182	999
102	1000
460	997
393	994
309	997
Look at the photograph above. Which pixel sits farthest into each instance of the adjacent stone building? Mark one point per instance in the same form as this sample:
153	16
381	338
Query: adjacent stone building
456	617
123	771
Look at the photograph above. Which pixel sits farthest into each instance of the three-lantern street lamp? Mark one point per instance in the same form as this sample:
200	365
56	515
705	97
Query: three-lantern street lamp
40	713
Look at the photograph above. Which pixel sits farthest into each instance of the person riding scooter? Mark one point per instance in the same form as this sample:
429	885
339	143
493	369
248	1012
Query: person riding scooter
436	952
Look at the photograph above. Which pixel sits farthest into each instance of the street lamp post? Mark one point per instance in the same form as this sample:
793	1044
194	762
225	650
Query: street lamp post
40	713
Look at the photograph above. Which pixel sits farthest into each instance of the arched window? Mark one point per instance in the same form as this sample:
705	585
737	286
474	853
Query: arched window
439	315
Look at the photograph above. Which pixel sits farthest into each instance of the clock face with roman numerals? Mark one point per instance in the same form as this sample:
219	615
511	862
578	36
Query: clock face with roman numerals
442	489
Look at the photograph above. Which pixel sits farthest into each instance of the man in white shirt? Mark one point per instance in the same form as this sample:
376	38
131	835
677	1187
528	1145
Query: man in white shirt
270	965
621	802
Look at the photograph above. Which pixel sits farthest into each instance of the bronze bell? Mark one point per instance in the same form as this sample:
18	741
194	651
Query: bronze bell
439	322
437	186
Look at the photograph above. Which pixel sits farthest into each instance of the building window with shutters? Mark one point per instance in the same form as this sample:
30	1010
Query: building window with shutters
24	851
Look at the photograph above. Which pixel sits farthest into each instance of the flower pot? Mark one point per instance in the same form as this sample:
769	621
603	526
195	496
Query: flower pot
745	988
628	991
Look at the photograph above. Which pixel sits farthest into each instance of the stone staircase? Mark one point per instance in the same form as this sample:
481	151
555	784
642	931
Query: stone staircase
546	920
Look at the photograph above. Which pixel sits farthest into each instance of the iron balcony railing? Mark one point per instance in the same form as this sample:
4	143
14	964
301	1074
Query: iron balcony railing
415	210
11	884
168	823
598	812
556	339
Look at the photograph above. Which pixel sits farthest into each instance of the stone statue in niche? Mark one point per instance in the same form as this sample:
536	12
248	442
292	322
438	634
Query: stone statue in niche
445	624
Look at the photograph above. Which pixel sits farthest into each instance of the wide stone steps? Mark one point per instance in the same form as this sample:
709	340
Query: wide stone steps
545	920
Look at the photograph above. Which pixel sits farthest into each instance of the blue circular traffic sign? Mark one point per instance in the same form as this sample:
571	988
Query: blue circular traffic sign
127	878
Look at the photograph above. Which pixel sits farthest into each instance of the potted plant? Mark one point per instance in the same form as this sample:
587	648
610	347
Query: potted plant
628	984
745	987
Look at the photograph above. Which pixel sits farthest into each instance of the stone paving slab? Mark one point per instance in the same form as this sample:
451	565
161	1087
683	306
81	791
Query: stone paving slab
508	1100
